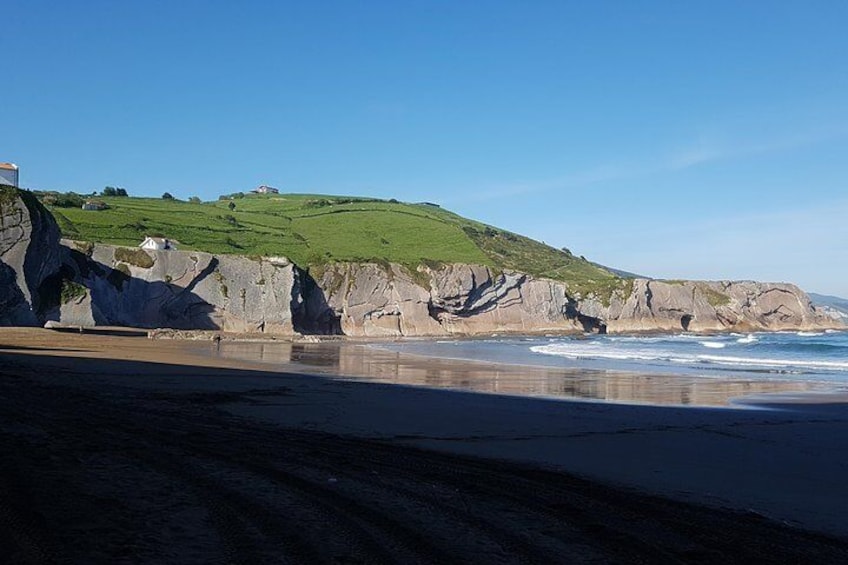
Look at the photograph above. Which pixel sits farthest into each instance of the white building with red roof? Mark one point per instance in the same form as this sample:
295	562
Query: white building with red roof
9	174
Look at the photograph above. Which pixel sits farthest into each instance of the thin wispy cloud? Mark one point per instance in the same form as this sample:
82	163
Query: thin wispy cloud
707	151
690	158
699	153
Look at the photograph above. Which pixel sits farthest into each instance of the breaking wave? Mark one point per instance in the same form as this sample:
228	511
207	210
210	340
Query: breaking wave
766	355
791	352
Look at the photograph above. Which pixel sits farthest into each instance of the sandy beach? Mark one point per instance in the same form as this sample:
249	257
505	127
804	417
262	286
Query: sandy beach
120	449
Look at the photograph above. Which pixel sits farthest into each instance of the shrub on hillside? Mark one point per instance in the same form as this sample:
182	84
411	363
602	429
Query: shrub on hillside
114	191
136	257
60	199
71	291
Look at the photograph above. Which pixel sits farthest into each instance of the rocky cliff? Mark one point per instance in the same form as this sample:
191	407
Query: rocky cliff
468	299
75	283
29	257
708	306
373	300
179	289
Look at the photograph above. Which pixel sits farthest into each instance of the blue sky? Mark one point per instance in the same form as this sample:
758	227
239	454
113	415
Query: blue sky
676	139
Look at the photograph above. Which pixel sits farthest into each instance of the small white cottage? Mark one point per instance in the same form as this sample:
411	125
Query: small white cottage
9	174
94	205
263	189
157	244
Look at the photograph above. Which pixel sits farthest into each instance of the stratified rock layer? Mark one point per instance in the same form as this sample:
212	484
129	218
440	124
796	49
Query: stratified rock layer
369	300
29	256
83	284
470	299
181	289
712	306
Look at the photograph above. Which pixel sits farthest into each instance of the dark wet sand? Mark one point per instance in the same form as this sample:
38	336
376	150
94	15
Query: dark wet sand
126	450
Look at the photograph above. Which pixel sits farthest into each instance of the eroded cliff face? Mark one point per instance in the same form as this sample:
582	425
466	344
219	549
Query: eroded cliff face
83	284
29	256
471	299
190	290
180	289
711	306
372	300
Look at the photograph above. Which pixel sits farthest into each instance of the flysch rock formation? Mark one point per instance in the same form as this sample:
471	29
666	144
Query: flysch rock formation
29	257
179	289
45	280
372	300
470	299
389	300
706	306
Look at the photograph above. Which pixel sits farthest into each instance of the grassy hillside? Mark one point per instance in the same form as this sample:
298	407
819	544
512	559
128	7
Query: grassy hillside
314	230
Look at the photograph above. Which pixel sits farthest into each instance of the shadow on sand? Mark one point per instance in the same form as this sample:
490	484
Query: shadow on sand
144	456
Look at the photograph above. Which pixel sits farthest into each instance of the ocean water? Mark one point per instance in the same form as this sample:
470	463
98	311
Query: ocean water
728	370
820	357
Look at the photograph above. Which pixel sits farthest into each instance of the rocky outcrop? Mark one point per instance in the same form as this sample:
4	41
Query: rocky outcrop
470	299
831	306
372	300
180	289
837	315
712	306
83	284
190	290
30	258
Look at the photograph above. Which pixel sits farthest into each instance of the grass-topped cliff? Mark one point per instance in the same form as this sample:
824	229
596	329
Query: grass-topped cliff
314	230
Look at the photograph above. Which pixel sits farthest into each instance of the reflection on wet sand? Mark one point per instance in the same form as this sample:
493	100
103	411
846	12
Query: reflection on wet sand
356	361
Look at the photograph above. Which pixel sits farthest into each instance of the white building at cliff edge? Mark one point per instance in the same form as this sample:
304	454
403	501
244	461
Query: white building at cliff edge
157	244
9	174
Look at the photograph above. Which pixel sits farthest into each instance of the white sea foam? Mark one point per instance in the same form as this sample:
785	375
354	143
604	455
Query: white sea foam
765	362
809	334
605	350
588	351
747	339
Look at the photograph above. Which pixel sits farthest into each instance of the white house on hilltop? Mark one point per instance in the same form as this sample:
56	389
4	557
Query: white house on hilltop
157	244
9	174
94	205
262	189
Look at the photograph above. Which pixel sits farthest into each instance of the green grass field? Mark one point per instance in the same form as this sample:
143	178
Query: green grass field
314	230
